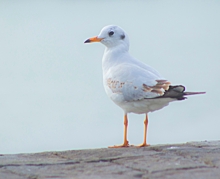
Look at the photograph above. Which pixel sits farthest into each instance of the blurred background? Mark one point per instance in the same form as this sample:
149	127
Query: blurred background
51	93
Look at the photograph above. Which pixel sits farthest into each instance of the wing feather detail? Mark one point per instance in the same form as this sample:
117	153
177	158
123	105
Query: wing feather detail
133	92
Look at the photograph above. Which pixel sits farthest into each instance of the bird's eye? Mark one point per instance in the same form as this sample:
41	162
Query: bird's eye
111	33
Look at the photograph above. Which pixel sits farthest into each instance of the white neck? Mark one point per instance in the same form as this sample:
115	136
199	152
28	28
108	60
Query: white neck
113	56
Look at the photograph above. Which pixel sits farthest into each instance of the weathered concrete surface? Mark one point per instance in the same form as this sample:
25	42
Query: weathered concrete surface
191	160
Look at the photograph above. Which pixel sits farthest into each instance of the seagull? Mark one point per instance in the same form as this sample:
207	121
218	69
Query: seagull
131	84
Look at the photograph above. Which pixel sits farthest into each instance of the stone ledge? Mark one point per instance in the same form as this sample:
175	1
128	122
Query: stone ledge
189	160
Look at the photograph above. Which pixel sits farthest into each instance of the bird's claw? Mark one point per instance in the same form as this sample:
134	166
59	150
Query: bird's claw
141	145
125	144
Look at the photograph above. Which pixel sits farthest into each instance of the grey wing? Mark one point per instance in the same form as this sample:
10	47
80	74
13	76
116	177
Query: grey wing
135	83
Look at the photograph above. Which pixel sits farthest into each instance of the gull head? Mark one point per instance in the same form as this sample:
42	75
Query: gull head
111	36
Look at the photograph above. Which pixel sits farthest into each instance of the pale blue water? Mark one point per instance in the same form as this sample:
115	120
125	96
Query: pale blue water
51	94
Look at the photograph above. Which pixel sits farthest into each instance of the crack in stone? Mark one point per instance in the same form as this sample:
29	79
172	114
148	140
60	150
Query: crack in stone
60	156
156	149
33	177
67	162
110	159
132	168
181	168
40	164
107	159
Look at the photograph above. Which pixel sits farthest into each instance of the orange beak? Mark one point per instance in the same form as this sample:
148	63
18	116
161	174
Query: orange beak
93	39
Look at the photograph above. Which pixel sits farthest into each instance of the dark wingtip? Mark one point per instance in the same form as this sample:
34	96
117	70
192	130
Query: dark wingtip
87	41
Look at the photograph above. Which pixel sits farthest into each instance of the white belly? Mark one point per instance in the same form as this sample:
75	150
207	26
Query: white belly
145	105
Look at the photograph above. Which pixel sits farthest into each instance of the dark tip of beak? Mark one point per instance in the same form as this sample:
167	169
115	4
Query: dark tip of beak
87	41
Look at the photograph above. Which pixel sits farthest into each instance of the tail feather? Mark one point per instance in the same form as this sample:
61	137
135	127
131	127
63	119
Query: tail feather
178	92
192	93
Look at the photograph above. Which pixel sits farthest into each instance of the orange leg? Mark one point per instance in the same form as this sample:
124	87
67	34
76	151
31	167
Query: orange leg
125	144
145	133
